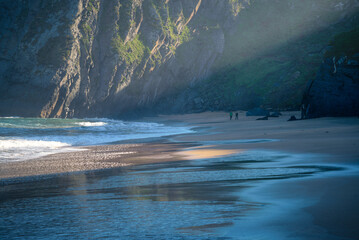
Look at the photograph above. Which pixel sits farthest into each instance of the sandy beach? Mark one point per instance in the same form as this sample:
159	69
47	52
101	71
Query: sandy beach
335	137
333	206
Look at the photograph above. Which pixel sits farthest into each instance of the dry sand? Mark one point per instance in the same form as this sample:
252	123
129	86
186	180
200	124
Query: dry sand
335	136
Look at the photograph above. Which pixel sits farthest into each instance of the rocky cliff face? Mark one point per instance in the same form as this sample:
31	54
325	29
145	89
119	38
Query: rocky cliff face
335	90
63	58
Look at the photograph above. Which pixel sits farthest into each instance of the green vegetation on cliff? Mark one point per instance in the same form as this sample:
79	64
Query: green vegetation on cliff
132	51
176	35
93	5
236	7
86	36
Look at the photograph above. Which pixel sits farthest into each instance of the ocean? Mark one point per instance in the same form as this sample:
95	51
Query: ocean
28	138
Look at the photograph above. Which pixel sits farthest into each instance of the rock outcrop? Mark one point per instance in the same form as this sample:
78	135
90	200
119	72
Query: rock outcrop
64	58
335	90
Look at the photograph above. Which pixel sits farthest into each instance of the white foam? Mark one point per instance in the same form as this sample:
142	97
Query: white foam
28	138
92	124
22	149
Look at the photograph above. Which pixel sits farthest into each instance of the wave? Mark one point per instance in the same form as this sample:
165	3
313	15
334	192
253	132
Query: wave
49	123
24	137
23	149
91	124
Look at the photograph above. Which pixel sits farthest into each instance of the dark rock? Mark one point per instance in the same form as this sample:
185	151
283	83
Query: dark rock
263	118
353	62
292	118
257	112
334	92
275	114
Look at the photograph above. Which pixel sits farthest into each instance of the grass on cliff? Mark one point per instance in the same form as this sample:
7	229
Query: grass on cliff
132	51
236	6
93	5
86	36
169	29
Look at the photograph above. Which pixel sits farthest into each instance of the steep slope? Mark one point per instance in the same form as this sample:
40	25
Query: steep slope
274	49
62	58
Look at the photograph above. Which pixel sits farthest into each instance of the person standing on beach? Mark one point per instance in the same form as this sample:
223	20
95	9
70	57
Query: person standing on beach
230	115
236	116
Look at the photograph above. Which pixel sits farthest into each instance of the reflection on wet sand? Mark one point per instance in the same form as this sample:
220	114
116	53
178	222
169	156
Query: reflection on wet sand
184	199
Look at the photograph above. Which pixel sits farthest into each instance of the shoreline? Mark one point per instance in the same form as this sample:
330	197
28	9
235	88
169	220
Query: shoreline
89	158
218	136
319	205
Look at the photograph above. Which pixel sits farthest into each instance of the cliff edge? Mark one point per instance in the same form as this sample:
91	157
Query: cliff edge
116	58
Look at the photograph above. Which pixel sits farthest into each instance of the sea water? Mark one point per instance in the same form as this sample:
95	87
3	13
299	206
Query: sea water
28	138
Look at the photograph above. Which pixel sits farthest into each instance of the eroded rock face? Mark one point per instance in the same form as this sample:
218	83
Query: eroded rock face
335	91
67	58
96	57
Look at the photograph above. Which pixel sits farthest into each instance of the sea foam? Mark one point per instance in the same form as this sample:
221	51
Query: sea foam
91	124
28	138
22	149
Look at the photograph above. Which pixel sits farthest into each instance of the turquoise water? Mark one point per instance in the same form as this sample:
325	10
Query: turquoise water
27	138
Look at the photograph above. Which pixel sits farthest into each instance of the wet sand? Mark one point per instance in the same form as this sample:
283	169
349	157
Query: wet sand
92	158
333	199
305	208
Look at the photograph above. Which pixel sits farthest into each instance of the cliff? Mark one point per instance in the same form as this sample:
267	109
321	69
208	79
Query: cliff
63	58
335	90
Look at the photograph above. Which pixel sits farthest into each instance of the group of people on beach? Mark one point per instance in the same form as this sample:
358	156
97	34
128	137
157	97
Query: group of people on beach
231	115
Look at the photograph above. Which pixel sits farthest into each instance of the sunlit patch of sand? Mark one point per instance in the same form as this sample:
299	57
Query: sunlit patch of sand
207	153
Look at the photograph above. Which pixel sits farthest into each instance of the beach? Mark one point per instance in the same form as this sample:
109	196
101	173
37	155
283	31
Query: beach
322	205
335	137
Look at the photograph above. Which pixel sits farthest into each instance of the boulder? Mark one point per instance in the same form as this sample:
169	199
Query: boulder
292	118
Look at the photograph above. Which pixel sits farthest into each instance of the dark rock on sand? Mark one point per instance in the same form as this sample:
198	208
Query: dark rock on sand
292	118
